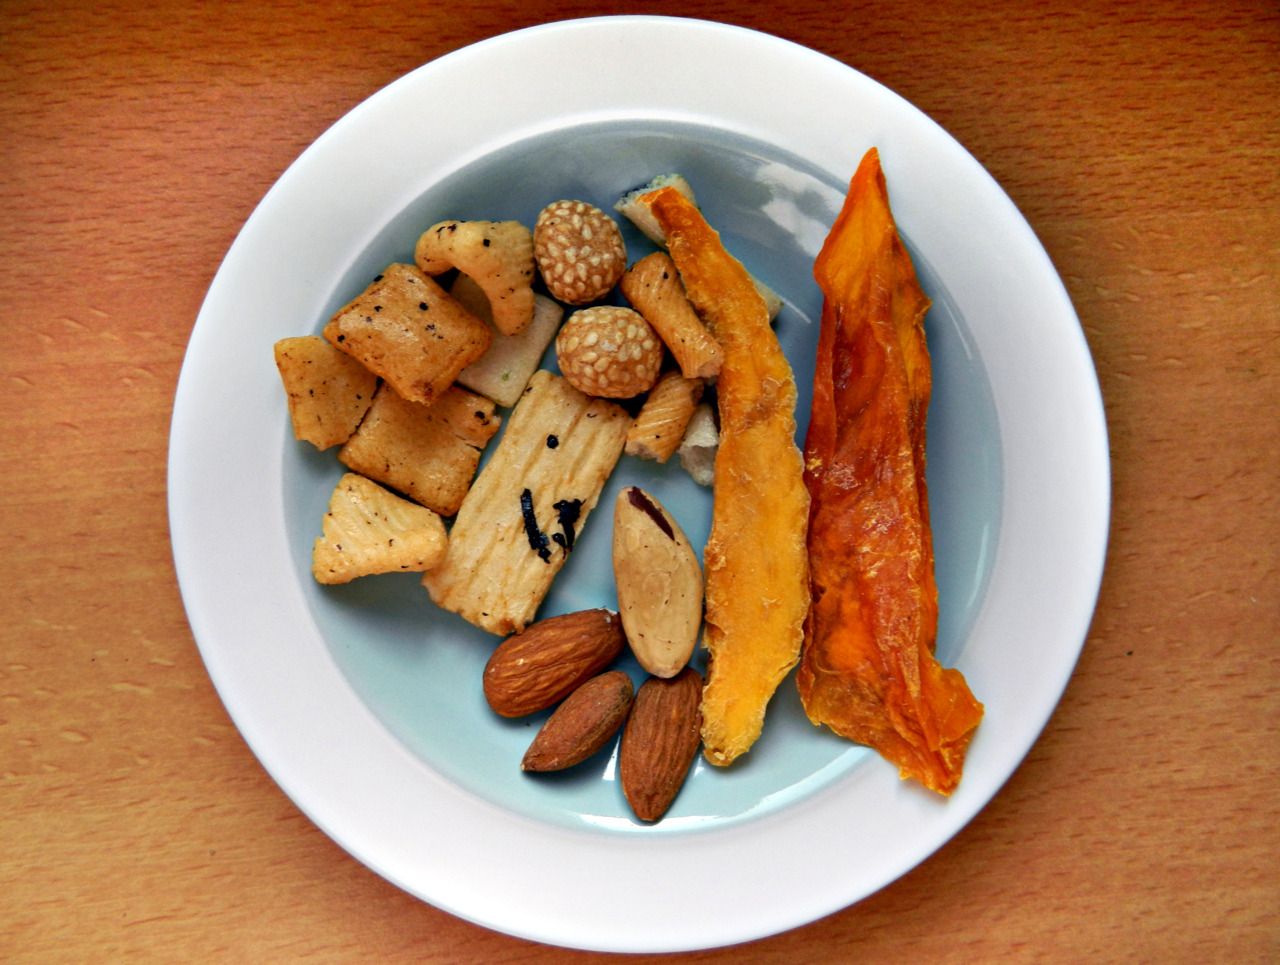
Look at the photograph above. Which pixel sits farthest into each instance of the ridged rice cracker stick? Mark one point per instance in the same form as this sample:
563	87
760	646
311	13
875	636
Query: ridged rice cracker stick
660	424
522	515
653	287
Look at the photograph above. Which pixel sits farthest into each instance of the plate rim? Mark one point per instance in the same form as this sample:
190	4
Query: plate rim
594	925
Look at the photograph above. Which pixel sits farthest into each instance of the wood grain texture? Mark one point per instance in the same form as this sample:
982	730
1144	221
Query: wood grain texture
1141	140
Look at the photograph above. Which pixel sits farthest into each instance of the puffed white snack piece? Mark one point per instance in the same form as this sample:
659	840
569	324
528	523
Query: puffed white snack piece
701	442
503	371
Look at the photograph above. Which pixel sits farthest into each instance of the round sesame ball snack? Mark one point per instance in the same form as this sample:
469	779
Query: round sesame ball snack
609	351
579	251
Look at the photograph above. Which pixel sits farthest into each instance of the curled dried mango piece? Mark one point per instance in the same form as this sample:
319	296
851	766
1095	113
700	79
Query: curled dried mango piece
756	563
868	669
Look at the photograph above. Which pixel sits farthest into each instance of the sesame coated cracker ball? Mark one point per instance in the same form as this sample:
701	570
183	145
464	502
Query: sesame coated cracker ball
609	351
579	251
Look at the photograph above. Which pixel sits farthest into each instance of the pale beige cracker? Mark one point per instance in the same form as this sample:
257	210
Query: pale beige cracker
370	530
527	508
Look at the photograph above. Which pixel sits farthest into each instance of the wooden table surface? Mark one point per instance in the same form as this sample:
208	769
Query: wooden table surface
1142	142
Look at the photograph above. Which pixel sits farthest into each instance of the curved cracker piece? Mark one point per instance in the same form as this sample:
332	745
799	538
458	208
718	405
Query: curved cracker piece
660	425
498	255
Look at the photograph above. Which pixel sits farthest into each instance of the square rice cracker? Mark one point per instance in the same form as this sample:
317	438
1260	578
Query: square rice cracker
407	329
428	452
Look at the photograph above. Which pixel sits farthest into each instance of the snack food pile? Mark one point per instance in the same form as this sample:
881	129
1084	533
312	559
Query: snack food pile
672	355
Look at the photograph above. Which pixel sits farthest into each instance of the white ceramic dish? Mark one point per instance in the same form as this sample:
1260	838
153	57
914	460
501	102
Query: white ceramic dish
363	702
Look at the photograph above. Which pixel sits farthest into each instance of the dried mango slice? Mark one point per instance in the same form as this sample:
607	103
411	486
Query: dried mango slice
868	669
756	563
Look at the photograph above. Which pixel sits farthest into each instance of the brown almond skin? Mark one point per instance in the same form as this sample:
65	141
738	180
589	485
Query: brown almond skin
582	724
545	663
660	741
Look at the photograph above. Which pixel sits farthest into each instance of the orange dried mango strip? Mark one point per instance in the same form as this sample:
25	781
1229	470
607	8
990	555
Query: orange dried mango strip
756	561
868	669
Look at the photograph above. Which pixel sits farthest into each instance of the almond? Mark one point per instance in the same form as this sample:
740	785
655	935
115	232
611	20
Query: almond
532	670
582	724
660	741
659	583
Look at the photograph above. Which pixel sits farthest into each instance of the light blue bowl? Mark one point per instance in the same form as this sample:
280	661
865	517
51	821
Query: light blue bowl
418	668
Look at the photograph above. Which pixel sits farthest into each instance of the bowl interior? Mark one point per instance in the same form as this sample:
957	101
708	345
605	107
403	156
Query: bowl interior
418	667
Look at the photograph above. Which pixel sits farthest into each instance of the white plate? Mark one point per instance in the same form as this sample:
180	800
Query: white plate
363	702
